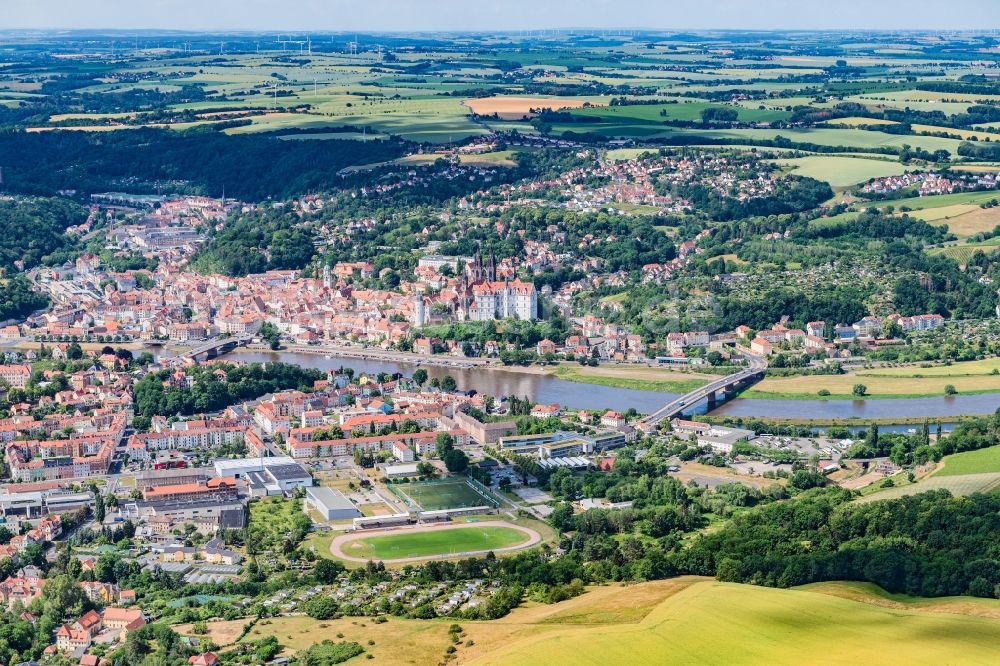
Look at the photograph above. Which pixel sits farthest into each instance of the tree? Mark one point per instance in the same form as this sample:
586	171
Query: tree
891	329
269	333
444	444
950	389
859	390
321	607
420	376
327	571
561	517
456	461
871	439
448	383
99	507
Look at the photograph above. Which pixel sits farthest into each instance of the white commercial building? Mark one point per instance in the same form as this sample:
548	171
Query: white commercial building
330	504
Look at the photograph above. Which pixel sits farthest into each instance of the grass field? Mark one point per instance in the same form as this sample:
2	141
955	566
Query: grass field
636	378
963	252
764	626
438	542
878	385
964	484
982	461
440	495
842	171
858	121
823	136
678	621
941	200
870	593
986	366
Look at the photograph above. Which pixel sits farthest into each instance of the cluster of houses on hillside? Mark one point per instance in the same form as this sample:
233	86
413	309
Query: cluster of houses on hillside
928	183
869	330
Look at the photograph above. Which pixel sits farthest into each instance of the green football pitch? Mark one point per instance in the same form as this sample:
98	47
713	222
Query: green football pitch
438	496
436	542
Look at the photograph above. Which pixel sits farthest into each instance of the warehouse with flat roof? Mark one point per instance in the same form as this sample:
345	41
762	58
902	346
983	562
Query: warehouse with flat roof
330	504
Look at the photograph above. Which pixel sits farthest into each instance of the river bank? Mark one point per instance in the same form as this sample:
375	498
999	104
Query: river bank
850	422
547	388
877	386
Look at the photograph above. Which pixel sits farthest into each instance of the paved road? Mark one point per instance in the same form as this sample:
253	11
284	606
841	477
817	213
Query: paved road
757	366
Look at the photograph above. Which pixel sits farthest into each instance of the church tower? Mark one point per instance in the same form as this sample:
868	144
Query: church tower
419	311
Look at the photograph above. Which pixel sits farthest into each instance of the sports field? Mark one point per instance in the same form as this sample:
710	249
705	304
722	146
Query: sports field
435	541
436	496
971	462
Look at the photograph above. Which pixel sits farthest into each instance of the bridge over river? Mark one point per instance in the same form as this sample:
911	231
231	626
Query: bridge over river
727	385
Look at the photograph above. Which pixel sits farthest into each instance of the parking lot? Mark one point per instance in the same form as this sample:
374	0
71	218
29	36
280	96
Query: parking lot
807	446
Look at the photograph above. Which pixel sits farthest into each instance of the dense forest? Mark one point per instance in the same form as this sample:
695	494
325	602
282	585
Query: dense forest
19	300
928	545
35	228
844	304
792	194
217	386
258	241
248	167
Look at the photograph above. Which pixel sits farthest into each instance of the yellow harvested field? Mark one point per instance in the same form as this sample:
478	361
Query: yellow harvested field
980	135
423	642
985	167
518	107
220	632
974	222
83	128
986	366
963	220
857	121
877	385
60	117
766	626
640	623
703	474
944	212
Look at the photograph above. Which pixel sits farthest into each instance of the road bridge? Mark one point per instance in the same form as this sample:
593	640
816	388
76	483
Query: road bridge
215	347
728	385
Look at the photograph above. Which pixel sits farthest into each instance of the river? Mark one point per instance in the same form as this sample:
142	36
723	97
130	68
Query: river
547	389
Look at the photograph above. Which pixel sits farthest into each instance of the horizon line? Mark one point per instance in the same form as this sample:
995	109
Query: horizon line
506	31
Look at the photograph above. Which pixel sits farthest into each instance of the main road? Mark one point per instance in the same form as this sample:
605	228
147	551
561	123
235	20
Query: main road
753	372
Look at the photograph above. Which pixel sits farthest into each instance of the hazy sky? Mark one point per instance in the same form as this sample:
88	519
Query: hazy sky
413	15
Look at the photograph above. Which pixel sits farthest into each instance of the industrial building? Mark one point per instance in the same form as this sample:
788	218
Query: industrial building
330	504
266	476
